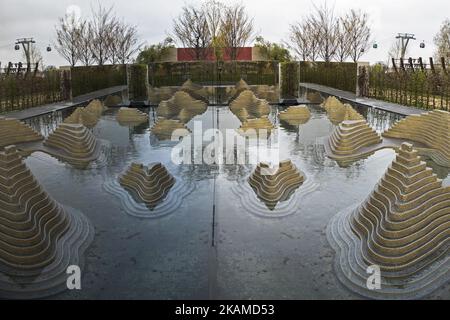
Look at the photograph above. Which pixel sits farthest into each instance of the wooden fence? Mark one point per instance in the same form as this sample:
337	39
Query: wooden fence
411	85
23	91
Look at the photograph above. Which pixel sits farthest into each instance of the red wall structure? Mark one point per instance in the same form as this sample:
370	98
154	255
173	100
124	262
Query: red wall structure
188	54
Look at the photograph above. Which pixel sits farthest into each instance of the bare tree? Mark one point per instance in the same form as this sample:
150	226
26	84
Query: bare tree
67	38
442	41
102	26
343	42
85	44
395	51
35	56
192	30
213	12
127	42
237	29
325	23
300	40
356	24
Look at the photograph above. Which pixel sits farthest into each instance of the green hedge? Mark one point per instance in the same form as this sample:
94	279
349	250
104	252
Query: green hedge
338	75
93	78
209	72
290	79
137	82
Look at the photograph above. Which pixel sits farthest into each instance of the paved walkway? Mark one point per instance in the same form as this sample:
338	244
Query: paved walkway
351	97
49	108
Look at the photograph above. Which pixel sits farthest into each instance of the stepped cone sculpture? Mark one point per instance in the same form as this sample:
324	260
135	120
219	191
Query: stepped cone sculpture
338	112
268	93
331	103
255	127
314	97
274	186
295	115
170	109
83	116
351	139
148	184
195	91
73	143
112	101
96	107
430	128
253	106
240	87
13	131
156	95
403	227
37	235
131	116
164	129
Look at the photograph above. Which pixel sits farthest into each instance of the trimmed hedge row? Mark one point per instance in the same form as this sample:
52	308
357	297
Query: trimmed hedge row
137	82
93	78
209	72
290	79
338	75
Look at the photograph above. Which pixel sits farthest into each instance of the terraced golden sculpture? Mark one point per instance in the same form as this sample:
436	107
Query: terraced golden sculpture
148	184
274	186
430	128
96	107
31	222
254	107
196	91
314	97
112	101
350	138
269	93
131	116
403	227
181	102
39	239
83	116
295	115
156	95
164	128
255	127
73	143
338	111
13	131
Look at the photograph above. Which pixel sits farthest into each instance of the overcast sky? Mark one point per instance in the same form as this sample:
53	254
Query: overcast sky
37	18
